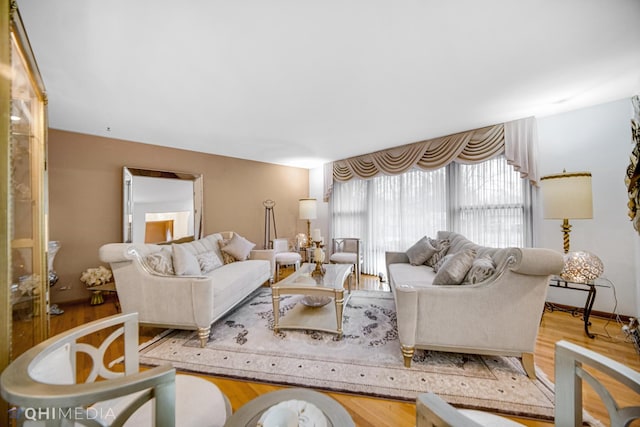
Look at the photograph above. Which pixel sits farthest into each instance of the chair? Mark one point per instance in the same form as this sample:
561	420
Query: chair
284	256
257	410
347	250
433	411
569	374
43	383
570	361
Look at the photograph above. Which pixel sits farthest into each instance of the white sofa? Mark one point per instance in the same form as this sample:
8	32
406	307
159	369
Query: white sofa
194	300
499	315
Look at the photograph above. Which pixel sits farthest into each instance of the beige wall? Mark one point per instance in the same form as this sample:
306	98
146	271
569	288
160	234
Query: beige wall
85	197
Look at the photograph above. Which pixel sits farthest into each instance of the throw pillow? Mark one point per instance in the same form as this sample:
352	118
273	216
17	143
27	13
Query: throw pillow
441	247
455	268
208	261
226	258
160	262
438	264
420	252
238	247
184	262
481	269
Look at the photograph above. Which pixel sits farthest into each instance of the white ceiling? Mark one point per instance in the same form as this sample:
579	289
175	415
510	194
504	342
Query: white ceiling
302	82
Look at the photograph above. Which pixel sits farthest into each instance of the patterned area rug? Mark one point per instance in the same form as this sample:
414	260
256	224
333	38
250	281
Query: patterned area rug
366	361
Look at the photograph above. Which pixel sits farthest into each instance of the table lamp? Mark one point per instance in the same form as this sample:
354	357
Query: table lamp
308	211
565	196
581	267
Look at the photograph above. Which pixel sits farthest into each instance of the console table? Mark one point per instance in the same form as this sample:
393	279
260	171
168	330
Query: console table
589	288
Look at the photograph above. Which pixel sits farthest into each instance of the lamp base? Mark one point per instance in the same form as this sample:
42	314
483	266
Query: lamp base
309	239
566	229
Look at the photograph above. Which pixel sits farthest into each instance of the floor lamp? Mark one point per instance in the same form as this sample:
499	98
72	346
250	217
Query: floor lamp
566	196
308	211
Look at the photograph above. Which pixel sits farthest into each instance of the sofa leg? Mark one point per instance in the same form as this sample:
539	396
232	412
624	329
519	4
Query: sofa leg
529	365
407	353
203	334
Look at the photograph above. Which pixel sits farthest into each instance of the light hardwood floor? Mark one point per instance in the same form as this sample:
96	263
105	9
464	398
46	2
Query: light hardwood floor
367	411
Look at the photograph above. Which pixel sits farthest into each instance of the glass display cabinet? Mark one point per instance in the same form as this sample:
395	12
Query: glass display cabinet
24	286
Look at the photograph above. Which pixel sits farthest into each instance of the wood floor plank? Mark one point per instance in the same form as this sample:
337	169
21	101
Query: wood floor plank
368	411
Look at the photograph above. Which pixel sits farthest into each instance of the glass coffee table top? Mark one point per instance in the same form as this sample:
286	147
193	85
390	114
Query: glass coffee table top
334	277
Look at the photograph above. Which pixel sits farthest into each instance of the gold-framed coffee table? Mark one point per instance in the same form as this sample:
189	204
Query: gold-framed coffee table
314	311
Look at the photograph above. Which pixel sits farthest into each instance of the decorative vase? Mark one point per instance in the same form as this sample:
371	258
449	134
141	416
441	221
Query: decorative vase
97	298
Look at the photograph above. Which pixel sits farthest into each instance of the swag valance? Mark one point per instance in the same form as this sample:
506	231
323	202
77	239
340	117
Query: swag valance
516	139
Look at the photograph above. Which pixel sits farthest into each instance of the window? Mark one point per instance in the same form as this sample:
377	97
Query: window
487	202
490	204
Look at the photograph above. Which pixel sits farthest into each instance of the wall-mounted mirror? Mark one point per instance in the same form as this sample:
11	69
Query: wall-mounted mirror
161	206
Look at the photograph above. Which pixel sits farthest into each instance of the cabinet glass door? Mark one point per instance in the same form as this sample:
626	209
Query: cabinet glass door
28	292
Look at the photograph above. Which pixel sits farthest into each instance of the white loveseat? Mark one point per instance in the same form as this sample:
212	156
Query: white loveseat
165	296
499	314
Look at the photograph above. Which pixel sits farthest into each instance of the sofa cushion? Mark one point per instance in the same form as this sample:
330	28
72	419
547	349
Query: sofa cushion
344	257
184	262
214	244
206	244
441	246
458	242
405	274
420	252
233	282
454	269
481	269
208	261
238	247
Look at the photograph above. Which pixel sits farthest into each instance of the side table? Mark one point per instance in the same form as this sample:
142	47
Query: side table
590	288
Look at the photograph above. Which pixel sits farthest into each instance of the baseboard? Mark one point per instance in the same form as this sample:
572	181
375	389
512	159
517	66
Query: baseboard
594	313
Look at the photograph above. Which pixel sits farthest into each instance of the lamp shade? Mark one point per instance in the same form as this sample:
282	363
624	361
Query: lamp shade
307	209
567	195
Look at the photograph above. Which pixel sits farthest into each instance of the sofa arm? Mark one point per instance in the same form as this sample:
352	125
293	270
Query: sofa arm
406	299
266	254
538	262
113	252
394	258
121	252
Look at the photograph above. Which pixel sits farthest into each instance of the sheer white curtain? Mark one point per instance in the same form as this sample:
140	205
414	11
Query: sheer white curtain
491	204
487	202
389	212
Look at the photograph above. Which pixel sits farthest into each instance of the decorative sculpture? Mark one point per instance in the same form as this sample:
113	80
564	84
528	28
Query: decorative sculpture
632	177
53	248
318	257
